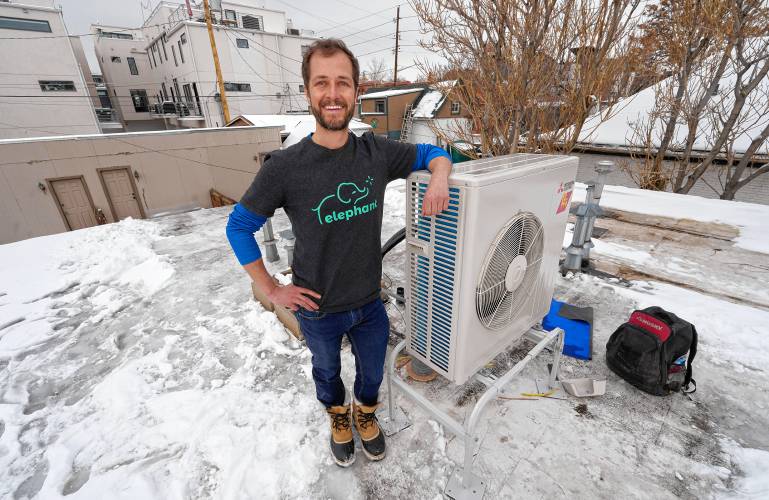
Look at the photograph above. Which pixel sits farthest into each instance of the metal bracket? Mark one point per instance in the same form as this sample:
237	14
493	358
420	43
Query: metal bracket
392	425
464	484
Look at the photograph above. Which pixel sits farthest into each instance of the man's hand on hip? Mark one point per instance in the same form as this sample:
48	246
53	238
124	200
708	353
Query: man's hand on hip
294	297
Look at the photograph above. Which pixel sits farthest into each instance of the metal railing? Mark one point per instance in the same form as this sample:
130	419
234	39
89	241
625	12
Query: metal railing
106	115
180	107
254	21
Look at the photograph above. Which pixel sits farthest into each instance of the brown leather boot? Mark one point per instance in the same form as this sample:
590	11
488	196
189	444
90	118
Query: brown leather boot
371	435
342	445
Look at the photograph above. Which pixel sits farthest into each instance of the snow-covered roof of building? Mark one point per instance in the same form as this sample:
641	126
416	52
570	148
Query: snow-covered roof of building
90	347
295	127
432	101
390	93
634	112
429	104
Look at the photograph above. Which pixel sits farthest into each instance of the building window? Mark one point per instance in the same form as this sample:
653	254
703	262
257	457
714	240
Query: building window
104	98
15	23
301	88
110	34
163	43
455	107
237	87
164	91
153	50
56	85
132	65
242	43
181	53
141	103
305	48
149	58
173	53
253	23
183	38
379	106
116	59
230	17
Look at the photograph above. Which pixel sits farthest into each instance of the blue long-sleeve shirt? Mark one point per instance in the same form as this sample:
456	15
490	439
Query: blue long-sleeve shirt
242	223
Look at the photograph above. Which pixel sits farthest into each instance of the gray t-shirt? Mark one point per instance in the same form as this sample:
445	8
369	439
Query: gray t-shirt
334	199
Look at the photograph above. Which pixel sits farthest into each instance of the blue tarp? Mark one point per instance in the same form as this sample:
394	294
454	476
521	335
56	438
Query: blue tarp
577	322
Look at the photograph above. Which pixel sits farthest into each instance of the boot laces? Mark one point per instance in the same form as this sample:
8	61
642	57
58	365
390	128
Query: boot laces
365	419
340	421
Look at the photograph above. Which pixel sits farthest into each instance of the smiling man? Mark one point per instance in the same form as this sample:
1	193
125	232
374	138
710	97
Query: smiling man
331	185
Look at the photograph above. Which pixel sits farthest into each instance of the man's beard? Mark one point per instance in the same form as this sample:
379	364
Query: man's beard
338	124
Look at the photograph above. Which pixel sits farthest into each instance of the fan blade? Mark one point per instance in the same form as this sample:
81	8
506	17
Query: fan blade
492	287
535	262
500	308
533	240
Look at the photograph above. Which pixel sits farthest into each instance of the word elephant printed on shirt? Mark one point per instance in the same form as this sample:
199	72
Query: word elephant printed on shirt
350	200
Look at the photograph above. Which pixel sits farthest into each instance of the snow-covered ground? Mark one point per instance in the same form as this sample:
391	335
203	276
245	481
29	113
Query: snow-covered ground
135	364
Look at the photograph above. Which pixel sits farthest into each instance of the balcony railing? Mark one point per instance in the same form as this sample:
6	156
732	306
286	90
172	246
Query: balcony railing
223	18
183	108
105	115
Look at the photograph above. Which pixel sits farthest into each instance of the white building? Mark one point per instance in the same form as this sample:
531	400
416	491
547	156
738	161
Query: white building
163	73
43	90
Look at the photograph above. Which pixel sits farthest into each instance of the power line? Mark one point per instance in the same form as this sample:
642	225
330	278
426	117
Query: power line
281	87
87	34
357	7
273	51
367	41
386	48
359	18
371	27
315	15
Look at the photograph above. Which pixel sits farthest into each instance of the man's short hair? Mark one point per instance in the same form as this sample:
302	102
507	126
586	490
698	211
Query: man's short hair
328	47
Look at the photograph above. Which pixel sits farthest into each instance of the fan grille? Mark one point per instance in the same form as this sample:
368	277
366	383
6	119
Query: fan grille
495	304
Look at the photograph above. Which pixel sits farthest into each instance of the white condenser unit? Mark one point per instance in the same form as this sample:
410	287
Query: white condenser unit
482	273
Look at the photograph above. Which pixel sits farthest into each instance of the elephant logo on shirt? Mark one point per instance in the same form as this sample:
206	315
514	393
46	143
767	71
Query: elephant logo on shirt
347	202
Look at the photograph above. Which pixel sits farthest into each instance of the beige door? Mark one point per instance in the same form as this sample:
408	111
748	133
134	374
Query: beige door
121	193
75	202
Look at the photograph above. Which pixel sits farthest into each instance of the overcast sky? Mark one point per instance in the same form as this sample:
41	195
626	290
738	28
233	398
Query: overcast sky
357	25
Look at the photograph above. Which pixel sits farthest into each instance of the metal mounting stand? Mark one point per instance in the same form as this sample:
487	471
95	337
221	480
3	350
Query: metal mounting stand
464	484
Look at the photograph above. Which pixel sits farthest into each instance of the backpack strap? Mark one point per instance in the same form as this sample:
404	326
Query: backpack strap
692	352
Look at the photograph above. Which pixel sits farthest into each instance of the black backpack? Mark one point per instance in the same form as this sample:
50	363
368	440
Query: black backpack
654	351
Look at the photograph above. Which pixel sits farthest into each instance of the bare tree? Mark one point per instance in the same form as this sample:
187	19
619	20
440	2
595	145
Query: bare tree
376	71
715	98
531	72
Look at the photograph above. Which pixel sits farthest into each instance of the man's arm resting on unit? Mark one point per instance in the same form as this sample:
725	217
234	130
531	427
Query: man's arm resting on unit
436	197
241	226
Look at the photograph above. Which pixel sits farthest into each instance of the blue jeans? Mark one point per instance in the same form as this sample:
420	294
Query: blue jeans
368	328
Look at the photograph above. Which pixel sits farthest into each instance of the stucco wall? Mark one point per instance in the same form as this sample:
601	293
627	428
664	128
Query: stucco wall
175	169
30	56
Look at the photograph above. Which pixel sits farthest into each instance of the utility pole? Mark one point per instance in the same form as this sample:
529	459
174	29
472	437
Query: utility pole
219	80
397	36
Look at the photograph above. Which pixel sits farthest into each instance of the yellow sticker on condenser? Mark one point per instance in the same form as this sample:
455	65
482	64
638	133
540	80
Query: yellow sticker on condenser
565	198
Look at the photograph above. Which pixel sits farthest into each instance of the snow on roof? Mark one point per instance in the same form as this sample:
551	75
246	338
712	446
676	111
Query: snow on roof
751	219
432	101
429	104
199	375
295	127
634	112
390	93
289	122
